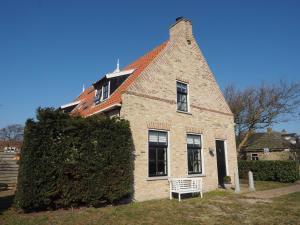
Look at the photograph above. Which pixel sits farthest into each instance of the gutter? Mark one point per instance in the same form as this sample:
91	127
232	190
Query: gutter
106	109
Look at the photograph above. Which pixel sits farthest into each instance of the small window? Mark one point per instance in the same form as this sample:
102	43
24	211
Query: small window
158	145
194	154
254	156
105	91
98	96
182	92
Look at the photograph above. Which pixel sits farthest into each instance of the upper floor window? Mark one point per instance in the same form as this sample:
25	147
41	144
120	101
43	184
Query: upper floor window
105	91
182	96
158	146
194	154
98	96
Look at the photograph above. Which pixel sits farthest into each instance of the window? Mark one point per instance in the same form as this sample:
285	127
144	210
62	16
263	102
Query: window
98	96
194	154
105	91
158	146
182	92
254	156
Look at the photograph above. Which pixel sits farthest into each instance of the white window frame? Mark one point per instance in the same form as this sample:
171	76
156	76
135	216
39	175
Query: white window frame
187	97
226	154
202	156
168	157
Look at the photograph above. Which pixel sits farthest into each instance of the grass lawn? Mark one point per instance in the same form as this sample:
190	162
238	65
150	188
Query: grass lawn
217	207
263	185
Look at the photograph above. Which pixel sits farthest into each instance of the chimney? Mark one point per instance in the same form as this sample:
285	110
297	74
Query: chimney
269	130
181	29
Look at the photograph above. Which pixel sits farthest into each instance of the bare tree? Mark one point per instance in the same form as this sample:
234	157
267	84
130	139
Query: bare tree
12	133
259	107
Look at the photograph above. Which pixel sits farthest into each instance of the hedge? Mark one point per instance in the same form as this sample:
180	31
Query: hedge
282	171
71	161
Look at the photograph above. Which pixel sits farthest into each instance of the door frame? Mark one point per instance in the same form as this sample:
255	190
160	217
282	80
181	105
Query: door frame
225	152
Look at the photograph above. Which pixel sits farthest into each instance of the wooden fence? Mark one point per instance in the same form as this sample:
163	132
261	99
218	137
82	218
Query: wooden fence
8	169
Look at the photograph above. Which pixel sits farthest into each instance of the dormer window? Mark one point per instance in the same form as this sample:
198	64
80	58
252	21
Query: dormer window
102	93
98	96
105	91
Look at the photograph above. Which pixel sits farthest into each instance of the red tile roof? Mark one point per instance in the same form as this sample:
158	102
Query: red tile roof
87	107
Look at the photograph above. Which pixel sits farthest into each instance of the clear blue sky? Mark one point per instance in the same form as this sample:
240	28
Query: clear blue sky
48	49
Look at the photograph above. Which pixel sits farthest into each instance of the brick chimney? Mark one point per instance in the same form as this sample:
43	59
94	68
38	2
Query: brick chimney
181	29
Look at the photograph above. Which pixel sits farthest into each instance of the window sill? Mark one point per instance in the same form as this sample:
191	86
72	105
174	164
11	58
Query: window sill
157	178
188	113
196	175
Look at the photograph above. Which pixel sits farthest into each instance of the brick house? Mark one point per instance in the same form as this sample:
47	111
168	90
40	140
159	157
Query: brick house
271	145
180	121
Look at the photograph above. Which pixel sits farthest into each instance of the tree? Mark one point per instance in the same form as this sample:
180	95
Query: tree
12	132
259	107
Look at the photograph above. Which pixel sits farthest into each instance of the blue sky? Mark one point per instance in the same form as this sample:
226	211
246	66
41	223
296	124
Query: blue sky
49	49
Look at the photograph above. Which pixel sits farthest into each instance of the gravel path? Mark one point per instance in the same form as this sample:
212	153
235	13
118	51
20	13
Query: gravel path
273	193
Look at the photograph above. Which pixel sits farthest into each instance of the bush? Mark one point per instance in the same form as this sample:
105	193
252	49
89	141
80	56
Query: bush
282	171
227	180
71	161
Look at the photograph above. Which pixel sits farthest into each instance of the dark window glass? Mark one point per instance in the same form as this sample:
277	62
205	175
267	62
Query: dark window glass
98	96
254	156
194	154
105	91
158	145
182	104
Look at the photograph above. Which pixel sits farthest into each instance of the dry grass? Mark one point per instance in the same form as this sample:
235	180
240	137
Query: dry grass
217	207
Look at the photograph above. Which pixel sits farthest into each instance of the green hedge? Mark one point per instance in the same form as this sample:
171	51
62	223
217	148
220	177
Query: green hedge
282	171
71	161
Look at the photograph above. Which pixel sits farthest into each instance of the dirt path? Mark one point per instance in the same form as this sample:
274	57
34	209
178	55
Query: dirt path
273	193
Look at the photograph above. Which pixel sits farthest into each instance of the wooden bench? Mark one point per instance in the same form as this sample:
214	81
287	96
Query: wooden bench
185	186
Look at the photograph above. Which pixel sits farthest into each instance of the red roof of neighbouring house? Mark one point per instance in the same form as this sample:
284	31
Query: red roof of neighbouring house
86	107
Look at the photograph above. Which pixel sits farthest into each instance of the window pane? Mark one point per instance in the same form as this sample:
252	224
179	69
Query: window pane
158	142
194	153
152	154
190	139
182	97
161	168
181	87
153	136
152	168
105	91
162	137
197	140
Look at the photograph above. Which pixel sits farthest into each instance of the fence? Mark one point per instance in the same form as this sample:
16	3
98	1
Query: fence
8	169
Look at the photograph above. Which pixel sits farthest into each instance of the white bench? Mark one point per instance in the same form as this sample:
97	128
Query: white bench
185	186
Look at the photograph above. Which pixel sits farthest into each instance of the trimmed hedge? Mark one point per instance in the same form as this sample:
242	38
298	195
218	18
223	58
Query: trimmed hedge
71	161
282	171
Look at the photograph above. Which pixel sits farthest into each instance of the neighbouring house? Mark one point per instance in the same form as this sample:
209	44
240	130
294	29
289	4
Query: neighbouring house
180	121
272	145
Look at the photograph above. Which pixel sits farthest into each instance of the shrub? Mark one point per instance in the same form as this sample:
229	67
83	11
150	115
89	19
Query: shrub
227	180
71	161
282	171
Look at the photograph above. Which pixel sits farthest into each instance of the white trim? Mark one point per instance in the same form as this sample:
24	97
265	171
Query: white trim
168	157
70	104
119	73
202	174
105	109
226	154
